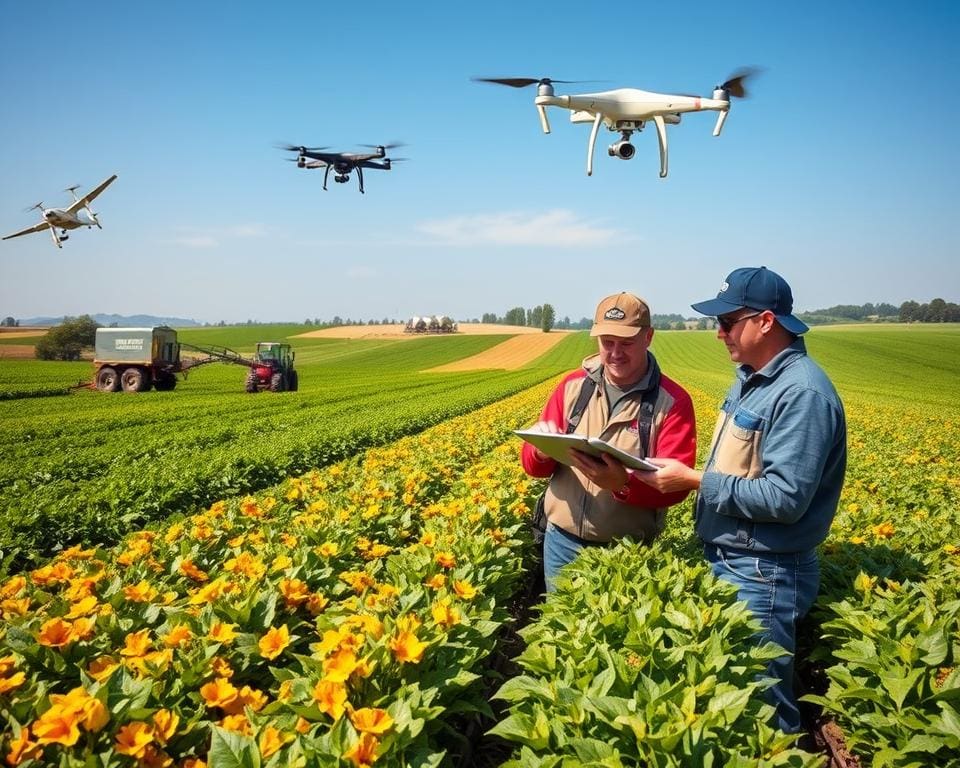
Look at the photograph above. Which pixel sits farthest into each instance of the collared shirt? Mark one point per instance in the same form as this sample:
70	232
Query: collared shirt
777	462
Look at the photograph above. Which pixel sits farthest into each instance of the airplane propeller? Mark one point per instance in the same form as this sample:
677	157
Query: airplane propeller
34	207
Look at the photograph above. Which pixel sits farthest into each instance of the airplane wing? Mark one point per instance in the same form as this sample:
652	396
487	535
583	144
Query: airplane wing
89	197
29	230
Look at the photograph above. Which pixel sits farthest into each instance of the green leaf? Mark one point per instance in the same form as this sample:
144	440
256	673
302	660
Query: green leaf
232	750
523	687
899	685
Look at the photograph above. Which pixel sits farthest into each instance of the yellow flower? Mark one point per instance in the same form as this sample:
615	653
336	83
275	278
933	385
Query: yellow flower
21	748
331	697
364	752
12	682
857	540
437	581
272	644
190	570
464	589
144	592
57	725
294	591
444	614
281	563
406	647
328	549
133	739
83	628
138	644
339	665
884	531
178	635
446	559
56	633
218	693
951	549
371	720
223	633
102	667
247	697
316	604
864	583
221	667
13	586
271	740
237	723
165	724
83	607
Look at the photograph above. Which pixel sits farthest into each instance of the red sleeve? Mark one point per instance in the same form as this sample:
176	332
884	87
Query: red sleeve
677	439
553	411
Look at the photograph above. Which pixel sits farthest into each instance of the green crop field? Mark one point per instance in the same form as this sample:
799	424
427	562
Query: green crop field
402	561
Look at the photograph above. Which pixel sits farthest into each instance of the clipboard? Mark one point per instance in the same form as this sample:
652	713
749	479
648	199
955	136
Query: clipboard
557	446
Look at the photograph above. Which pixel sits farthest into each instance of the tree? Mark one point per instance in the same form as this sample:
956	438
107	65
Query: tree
516	316
67	340
8	322
535	317
547	318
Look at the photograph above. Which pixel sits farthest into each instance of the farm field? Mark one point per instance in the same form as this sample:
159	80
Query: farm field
86	467
366	600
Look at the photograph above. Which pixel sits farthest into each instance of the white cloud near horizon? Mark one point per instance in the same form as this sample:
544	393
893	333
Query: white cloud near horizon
212	238
558	228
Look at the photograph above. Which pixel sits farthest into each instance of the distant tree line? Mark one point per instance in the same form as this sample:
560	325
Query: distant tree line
937	311
543	316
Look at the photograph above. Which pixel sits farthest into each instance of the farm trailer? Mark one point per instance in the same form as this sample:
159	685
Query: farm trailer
135	359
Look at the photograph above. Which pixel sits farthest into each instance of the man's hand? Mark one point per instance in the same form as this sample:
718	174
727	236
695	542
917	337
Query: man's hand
604	471
673	475
543	426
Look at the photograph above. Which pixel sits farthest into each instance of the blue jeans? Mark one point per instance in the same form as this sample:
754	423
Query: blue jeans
560	548
779	589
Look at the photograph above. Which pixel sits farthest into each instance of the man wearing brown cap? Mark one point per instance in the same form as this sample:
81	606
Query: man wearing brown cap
618	395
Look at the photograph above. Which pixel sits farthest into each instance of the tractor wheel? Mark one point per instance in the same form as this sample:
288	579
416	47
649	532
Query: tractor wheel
293	382
165	382
134	380
276	382
107	379
252	383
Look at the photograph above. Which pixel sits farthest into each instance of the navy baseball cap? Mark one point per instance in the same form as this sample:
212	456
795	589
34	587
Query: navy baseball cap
757	288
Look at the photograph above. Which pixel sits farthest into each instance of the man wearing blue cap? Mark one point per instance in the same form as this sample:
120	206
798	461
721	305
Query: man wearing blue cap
770	486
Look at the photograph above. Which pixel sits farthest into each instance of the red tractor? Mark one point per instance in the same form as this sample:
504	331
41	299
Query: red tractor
272	368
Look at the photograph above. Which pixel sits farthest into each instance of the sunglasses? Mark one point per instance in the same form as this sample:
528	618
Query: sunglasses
726	324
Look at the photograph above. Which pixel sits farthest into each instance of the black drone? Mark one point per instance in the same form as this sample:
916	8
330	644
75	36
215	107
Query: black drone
343	163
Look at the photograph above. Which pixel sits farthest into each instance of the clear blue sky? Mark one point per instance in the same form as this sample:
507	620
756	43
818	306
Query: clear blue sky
842	171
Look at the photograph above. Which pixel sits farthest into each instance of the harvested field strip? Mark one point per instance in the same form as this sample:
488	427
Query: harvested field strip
513	353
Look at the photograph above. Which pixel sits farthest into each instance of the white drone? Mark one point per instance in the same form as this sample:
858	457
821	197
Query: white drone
626	110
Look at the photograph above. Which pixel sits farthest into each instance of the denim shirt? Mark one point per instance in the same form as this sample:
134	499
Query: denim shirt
776	465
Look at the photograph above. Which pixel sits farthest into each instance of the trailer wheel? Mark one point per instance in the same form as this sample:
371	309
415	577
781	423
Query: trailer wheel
133	380
294	381
107	379
252	383
276	382
165	381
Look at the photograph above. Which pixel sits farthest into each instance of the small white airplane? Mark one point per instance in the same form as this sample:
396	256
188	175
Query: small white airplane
626	110
77	214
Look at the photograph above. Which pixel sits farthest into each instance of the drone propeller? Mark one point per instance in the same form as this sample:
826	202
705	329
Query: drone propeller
394	145
523	82
299	148
735	85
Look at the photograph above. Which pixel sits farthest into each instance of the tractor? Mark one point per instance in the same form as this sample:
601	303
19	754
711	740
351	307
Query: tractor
272	368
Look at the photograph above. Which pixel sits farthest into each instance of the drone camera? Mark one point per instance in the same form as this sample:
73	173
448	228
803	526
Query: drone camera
622	149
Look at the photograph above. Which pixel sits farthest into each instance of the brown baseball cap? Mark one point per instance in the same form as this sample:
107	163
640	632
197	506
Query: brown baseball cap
622	314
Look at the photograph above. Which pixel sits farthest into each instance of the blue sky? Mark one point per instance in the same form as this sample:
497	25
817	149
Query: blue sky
842	171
